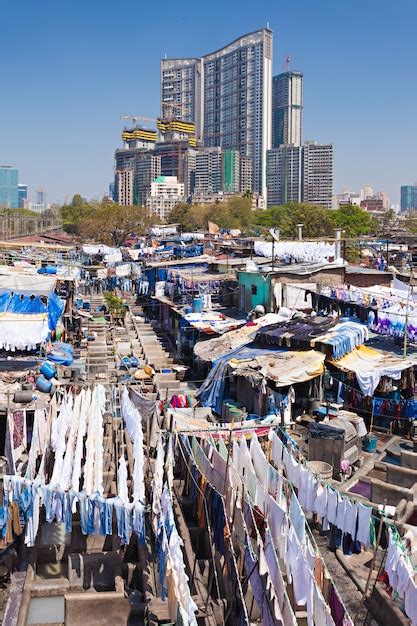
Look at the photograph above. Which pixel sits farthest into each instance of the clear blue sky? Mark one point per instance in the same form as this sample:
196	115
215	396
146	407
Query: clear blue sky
69	69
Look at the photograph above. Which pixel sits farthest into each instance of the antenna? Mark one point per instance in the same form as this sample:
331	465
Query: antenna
287	62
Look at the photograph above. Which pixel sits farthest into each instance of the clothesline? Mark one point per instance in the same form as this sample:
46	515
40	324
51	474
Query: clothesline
329	485
403	402
239	478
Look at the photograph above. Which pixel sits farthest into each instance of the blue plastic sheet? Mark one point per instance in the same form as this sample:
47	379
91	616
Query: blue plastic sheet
55	310
25	304
211	392
61	354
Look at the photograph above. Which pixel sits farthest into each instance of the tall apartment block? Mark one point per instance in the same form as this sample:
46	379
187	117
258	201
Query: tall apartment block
219	172
408	197
230	93
147	169
284	175
208	172
23	195
124	187
300	174
40	196
246	175
181	91
317	172
287	109
9	187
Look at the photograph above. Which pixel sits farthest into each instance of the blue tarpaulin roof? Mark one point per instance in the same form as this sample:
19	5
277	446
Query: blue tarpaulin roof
211	392
25	304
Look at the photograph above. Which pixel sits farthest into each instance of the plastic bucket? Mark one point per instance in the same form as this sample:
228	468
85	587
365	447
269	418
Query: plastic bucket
43	385
370	443
22	397
48	370
320	467
197	305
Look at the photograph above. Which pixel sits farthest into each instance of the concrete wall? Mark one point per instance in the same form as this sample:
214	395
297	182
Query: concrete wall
391	493
331	277
96	609
360	279
401	476
261	283
409	459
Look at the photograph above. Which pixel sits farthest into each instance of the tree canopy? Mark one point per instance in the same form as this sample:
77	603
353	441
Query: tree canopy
108	223
235	213
353	220
112	223
318	221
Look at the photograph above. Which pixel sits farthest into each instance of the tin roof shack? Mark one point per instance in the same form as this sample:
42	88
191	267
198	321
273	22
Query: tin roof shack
286	285
367	277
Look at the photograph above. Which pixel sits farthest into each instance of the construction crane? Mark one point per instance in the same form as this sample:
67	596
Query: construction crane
136	118
173	106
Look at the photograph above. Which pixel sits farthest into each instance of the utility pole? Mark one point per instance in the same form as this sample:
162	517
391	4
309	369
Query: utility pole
409	296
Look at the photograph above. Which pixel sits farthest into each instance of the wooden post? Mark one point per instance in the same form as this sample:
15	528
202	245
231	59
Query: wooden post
371	568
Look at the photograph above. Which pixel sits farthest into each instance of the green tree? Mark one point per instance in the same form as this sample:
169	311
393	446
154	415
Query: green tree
316	220
113	223
73	213
235	213
181	214
354	220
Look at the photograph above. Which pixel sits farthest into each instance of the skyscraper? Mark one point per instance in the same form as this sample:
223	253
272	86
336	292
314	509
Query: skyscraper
23	195
408	197
181	93
284	175
9	187
208	172
231	99
148	168
40	197
287	109
317	174
124	186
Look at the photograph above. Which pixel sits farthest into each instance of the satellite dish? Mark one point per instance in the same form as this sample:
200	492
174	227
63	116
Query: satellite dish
274	232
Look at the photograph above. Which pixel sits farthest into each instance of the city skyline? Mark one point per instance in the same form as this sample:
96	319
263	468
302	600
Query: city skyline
79	95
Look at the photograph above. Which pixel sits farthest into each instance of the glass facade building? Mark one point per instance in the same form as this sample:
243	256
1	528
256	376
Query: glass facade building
287	109
23	196
9	187
408	197
228	95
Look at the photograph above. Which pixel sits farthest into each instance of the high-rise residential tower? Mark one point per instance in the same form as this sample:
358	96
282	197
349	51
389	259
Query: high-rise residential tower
284	175
40	196
317	174
181	91
230	95
23	195
287	109
408	197
9	187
